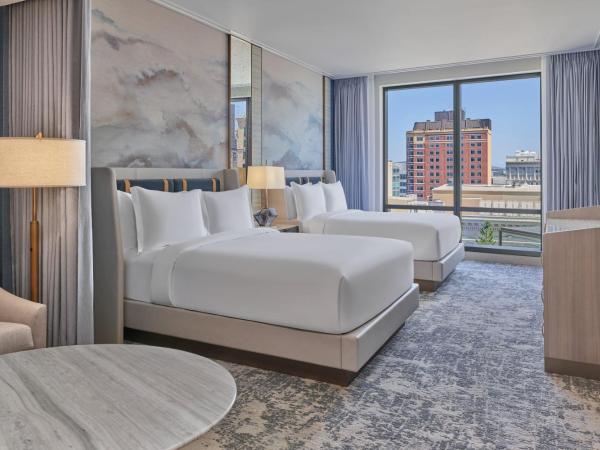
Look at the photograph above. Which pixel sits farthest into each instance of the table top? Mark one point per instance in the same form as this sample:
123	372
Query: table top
110	396
283	225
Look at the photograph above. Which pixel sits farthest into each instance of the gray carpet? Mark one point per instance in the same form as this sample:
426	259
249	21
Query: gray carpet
465	372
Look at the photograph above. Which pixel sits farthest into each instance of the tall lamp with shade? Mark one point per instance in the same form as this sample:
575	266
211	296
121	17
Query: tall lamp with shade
265	178
37	163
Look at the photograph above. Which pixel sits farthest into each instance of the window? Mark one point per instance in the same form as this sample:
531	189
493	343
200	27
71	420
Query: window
497	183
240	130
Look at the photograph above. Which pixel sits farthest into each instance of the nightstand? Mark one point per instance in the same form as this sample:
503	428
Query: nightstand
287	226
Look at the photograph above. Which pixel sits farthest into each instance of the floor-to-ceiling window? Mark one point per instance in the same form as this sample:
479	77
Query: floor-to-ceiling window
472	148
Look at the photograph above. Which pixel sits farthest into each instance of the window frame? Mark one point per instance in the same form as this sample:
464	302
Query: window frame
457	207
248	161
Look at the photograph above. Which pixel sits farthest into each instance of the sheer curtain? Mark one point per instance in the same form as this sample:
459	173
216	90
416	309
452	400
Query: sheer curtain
48	91
353	137
572	130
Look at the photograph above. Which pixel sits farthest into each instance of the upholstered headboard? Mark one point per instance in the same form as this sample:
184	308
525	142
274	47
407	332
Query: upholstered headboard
108	248
277	198
309	176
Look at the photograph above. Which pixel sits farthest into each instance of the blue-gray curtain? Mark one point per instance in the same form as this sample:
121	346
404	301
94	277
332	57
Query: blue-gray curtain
572	130
6	272
351	139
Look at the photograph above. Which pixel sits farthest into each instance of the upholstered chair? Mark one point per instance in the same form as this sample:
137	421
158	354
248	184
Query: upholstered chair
22	324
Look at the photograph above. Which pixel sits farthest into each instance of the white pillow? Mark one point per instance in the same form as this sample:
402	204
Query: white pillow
310	200
228	210
290	203
335	199
127	220
165	218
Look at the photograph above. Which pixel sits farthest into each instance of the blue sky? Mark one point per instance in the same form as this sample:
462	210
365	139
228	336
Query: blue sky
513	106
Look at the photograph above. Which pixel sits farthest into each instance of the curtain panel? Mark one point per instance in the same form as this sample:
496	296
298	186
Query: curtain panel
48	91
572	130
351	139
6	272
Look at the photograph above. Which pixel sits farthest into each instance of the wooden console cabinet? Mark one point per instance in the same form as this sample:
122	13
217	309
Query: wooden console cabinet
571	260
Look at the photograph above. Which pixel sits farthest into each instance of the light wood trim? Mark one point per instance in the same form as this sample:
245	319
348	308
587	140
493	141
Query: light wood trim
588	213
571	262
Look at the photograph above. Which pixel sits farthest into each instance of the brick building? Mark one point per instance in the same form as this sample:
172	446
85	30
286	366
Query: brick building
430	153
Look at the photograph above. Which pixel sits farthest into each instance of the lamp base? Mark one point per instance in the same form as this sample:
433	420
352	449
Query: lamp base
265	217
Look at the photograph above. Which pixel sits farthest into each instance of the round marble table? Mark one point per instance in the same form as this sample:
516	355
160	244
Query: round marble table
110	397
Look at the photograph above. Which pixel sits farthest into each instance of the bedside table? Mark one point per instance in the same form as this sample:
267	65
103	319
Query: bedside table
287	226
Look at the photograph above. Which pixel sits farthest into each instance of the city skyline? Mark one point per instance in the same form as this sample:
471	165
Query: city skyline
512	105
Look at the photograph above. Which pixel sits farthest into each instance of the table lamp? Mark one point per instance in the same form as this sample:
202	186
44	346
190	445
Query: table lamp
266	177
36	163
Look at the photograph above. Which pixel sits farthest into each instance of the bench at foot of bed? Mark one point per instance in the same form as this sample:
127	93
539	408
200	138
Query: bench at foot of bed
334	358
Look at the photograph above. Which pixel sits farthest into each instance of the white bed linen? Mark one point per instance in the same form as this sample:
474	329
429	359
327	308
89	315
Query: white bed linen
138	274
433	235
329	284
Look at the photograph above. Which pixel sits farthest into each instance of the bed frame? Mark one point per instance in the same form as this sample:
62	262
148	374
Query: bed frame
326	357
429	275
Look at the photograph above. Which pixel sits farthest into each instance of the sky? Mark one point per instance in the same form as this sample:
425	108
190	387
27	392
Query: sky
512	105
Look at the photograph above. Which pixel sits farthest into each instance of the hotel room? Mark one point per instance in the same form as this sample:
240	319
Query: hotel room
265	225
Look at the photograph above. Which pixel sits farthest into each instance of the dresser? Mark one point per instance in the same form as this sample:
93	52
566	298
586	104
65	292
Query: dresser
571	260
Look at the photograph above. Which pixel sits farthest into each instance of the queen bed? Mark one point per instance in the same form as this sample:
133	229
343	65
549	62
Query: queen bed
313	305
435	237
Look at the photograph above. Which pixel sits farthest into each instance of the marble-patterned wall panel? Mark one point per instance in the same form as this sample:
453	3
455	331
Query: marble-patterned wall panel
292	114
159	88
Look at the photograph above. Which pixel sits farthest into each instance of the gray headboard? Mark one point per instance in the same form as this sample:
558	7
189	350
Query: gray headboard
327	176
108	248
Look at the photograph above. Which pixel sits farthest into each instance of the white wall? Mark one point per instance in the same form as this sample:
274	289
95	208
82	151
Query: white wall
450	73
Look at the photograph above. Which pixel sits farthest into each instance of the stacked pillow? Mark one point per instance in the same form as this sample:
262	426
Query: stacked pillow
228	210
165	218
304	201
154	219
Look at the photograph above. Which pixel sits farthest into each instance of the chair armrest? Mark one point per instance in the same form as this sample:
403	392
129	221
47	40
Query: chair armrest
18	310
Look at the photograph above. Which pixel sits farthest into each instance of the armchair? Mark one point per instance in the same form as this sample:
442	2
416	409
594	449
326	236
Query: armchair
22	324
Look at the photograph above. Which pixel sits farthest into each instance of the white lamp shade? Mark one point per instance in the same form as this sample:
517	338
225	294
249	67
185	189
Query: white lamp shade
266	177
41	162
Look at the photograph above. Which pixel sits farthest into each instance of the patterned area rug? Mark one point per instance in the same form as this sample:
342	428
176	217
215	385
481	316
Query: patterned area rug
465	372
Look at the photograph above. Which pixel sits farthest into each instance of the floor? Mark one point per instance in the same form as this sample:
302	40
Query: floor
465	372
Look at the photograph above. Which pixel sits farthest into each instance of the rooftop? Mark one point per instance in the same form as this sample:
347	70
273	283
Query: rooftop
489	188
443	121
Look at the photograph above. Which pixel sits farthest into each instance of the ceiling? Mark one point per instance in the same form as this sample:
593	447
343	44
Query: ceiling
350	37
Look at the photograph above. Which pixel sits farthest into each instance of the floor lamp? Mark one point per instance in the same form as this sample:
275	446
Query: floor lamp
37	163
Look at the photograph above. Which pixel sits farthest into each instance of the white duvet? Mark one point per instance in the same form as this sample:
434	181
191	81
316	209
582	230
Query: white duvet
330	284
433	235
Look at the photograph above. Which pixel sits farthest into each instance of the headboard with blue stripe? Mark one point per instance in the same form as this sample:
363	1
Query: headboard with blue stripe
309	176
109	279
303	180
212	184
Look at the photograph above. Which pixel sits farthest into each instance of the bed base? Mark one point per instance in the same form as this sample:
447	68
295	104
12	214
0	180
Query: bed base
431	274
327	357
428	285
266	362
